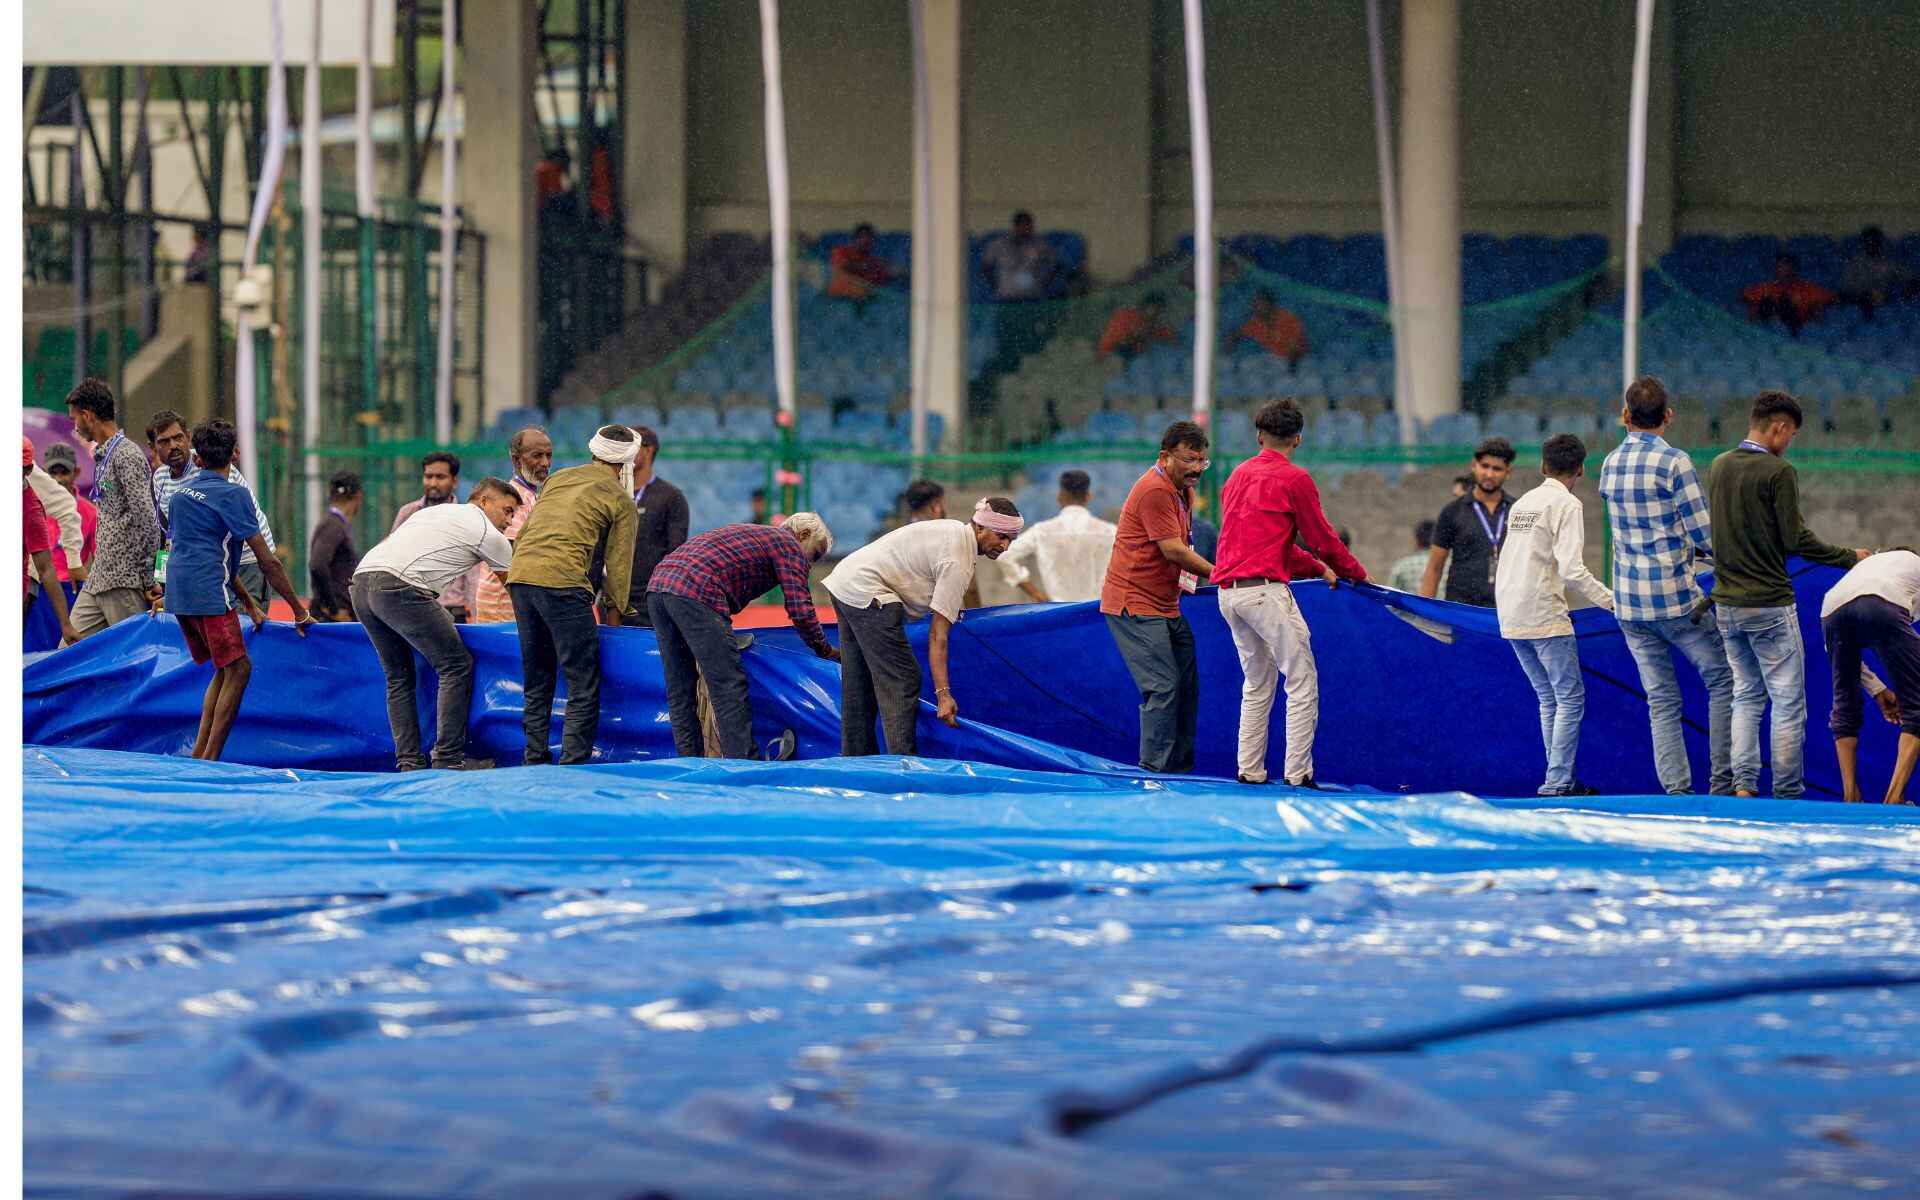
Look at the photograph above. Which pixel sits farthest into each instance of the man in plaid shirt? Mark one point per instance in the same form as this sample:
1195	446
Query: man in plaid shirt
1658	511
693	596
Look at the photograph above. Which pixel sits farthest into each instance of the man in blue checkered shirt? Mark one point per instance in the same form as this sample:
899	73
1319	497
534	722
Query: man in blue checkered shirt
1658	511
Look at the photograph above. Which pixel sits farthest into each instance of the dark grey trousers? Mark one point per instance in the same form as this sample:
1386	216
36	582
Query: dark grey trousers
400	618
695	640
878	675
1159	655
558	633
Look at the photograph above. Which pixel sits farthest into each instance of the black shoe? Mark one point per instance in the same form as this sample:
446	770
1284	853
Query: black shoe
1253	782
1581	789
471	764
781	748
405	767
1306	783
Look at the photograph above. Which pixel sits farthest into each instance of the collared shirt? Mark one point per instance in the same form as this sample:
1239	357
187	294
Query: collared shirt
63	509
458	593
924	567
129	531
490	599
583	514
1754	497
1140	581
435	549
1462	530
660	529
165	485
1658	512
730	567
1544	555
210	517
1266	503
1069	553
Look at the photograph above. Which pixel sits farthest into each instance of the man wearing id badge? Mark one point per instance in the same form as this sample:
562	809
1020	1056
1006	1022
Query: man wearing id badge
1153	564
1472	529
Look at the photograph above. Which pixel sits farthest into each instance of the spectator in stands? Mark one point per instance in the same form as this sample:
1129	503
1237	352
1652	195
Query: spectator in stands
1874	606
552	179
331	557
917	569
38	541
581	509
210	517
168	442
1068	553
695	593
1267	503
757	507
1136	327
1469	532
532	454
1544	555
1153	563
854	270
1407	572
1786	297
61	466
1753	495
1273	329
924	500
1658	513
1020	268
128	535
400	592
440	485
1873	279
663	520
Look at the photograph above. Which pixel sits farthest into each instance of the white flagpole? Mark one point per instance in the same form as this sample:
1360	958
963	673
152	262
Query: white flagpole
246	409
311	219
1204	252
780	203
1389	219
449	244
924	255
363	117
1636	190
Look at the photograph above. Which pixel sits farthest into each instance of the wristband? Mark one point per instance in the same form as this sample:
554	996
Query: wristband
943	691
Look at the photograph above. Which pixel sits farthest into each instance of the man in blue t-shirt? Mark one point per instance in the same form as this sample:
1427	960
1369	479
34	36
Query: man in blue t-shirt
211	519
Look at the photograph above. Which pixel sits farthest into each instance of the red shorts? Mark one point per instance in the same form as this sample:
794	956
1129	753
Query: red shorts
215	638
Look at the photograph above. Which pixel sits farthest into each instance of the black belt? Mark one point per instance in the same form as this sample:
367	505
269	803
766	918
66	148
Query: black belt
1256	581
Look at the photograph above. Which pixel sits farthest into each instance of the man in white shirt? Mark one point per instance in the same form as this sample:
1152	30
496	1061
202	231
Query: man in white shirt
919	568
1542	556
1068	553
1874	606
396	595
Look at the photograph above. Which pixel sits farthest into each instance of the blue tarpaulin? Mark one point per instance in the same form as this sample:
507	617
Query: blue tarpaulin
917	978
1416	695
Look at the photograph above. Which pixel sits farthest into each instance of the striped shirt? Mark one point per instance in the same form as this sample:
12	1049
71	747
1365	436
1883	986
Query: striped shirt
1659	516
165	485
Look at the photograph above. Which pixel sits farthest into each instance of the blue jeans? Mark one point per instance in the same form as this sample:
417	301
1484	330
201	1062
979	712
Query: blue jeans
1769	663
1651	643
1553	668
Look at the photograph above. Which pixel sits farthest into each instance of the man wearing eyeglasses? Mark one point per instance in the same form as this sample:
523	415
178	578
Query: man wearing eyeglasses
1153	563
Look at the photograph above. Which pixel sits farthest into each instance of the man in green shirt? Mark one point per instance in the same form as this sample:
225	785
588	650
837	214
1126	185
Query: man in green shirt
585	515
1754	498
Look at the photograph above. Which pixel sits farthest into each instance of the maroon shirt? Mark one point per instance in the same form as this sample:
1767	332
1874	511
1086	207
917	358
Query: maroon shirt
1266	502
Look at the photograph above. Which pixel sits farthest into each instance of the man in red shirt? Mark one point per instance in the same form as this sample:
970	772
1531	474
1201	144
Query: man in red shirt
1153	563
855	270
1267	503
1133	330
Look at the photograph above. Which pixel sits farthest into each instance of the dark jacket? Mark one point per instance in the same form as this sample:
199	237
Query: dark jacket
662	509
331	560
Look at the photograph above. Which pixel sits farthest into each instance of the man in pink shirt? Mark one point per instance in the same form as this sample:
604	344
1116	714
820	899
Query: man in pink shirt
59	461
1267	503
532	453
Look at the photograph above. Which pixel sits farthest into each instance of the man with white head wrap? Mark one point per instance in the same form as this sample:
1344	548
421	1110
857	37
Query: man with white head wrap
585	516
695	593
919	568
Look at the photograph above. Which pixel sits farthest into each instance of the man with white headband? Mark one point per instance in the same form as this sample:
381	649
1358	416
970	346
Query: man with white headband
919	568
585	516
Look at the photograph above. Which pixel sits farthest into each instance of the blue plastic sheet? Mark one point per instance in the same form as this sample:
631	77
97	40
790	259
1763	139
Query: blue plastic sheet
912	978
1416	695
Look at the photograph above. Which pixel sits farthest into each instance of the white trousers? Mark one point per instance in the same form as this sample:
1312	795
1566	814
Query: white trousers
1272	639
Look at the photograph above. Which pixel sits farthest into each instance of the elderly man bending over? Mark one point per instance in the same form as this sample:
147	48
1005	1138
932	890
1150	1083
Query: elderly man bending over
693	596
918	568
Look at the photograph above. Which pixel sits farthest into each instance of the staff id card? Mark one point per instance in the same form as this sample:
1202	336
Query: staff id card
1189	582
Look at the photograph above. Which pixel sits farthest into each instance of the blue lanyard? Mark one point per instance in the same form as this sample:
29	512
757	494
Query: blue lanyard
523	483
100	464
1747	444
1494	532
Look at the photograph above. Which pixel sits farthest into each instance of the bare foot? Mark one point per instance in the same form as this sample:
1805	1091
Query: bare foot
1852	797
1899	800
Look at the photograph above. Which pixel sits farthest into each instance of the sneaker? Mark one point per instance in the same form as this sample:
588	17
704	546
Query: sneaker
781	748
1253	782
1306	783
471	764
742	640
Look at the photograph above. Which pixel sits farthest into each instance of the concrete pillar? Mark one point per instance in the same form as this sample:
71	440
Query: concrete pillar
653	110
940	262
499	148
1430	204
